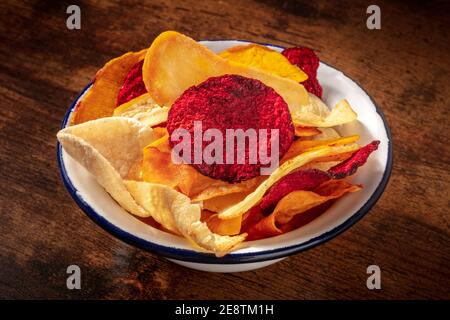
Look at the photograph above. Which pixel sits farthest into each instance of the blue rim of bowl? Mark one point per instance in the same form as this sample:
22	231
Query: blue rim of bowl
232	258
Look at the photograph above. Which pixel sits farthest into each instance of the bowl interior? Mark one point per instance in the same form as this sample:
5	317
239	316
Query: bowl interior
97	203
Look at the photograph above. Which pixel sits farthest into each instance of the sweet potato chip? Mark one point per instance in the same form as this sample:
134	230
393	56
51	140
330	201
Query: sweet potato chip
265	228
264	58
143	109
288	166
228	227
157	167
175	62
223	202
108	148
175	211
100	100
300	146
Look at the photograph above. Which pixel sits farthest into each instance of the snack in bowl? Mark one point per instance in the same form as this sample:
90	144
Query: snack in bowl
216	148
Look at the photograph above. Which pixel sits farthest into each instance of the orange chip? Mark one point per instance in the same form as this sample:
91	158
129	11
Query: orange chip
299	201
157	167
264	58
301	131
100	100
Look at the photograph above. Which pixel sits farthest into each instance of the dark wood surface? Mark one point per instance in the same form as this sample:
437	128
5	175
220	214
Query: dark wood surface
404	66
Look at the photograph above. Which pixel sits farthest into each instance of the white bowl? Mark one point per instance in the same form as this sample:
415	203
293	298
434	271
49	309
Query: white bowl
371	125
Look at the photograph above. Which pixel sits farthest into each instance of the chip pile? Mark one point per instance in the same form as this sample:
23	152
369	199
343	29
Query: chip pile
123	133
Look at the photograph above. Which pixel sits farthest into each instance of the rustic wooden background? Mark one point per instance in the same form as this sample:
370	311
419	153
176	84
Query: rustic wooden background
404	66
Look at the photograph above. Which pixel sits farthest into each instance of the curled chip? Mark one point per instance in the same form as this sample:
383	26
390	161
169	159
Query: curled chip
299	201
303	57
298	180
143	109
312	116
100	100
234	117
295	205
157	167
261	57
233	102
349	166
133	86
301	131
253	198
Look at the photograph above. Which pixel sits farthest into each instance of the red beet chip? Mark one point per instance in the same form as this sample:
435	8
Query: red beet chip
357	159
298	180
232	102
304	58
313	86
133	86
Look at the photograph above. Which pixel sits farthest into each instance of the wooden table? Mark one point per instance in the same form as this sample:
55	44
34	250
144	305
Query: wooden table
404	66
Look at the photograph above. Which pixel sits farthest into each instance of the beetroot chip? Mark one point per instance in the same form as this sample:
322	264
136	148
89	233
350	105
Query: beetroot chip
232	102
298	180
357	159
133	86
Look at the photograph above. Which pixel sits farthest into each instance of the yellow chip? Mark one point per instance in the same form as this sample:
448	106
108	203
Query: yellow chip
175	62
100	100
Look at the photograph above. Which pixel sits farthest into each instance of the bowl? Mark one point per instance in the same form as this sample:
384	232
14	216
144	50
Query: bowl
371	125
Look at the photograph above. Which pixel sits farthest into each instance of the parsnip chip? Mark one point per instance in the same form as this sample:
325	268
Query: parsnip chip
100	100
175	62
264	58
291	164
175	211
108	148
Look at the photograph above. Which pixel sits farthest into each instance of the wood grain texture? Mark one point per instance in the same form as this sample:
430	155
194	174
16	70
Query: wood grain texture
404	66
